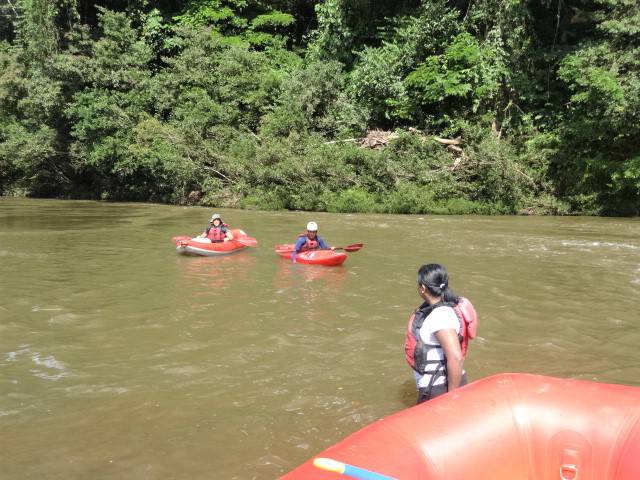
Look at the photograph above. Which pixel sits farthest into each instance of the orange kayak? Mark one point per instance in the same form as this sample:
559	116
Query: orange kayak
313	257
508	426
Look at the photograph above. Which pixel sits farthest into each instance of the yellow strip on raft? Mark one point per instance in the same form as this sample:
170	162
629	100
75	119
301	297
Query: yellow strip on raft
329	465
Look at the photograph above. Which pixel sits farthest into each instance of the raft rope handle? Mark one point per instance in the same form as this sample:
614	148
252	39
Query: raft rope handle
568	468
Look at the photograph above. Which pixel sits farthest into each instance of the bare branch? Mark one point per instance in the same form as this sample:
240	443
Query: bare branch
15	12
345	140
219	173
448	141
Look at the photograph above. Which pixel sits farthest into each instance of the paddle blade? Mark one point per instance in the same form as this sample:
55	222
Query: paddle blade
284	248
247	241
180	239
353	248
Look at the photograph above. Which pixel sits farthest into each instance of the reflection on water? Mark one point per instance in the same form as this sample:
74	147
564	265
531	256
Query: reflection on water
121	359
200	274
308	278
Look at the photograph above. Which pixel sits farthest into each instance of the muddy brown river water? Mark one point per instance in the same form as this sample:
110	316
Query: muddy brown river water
121	359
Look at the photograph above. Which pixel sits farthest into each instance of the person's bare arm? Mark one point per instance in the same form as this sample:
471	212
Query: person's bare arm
448	338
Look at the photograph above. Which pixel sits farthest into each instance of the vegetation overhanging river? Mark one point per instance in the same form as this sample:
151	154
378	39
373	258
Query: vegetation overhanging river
121	359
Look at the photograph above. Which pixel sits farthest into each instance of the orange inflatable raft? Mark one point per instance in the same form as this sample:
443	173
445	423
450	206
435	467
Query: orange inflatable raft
204	247
508	426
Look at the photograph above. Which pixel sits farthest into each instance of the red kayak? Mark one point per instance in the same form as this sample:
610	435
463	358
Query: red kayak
504	427
313	257
204	246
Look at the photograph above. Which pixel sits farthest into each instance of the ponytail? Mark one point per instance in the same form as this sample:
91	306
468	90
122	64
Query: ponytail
448	295
435	278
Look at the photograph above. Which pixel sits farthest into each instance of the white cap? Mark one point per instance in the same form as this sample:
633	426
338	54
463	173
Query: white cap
312	226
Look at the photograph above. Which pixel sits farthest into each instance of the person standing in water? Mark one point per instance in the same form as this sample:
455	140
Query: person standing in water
433	339
309	241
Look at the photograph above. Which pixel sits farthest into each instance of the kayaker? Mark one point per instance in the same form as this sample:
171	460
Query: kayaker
217	230
309	241
432	344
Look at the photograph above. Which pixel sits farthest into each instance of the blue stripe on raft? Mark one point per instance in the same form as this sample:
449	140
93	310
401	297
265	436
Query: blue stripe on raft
362	474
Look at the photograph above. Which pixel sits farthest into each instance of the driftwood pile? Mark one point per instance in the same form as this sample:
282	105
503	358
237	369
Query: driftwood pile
379	139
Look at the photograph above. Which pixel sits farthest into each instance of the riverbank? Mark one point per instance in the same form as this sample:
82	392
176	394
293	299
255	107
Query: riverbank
411	173
355	201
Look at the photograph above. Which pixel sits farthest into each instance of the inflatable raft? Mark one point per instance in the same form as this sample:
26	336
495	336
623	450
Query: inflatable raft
204	246
312	257
508	426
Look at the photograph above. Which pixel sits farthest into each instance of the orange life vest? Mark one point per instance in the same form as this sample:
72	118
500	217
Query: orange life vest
309	244
217	234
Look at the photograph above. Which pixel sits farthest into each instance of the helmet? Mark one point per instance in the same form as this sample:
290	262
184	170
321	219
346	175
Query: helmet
312	226
215	216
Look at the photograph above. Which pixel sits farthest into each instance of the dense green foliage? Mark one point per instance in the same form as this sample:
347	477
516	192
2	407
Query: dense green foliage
491	106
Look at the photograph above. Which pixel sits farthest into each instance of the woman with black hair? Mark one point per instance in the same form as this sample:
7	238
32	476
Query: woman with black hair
432	344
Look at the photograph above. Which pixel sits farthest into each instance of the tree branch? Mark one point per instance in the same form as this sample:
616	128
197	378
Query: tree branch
15	12
345	140
219	173
448	141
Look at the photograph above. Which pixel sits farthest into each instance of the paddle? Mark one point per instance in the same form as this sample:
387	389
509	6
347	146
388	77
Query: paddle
349	248
181	238
247	241
331	465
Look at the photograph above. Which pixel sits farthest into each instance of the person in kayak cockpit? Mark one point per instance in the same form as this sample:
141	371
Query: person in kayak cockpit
309	241
217	231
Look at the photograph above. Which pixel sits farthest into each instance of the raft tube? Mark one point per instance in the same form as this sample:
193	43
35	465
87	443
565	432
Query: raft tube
508	426
312	257
204	246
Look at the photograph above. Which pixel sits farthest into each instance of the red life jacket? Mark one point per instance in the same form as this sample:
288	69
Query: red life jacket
216	234
309	244
416	350
468	323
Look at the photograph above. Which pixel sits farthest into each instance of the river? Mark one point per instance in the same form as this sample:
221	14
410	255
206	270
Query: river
121	359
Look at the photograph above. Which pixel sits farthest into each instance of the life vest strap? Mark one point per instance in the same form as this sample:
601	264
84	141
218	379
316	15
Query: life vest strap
442	363
439	372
